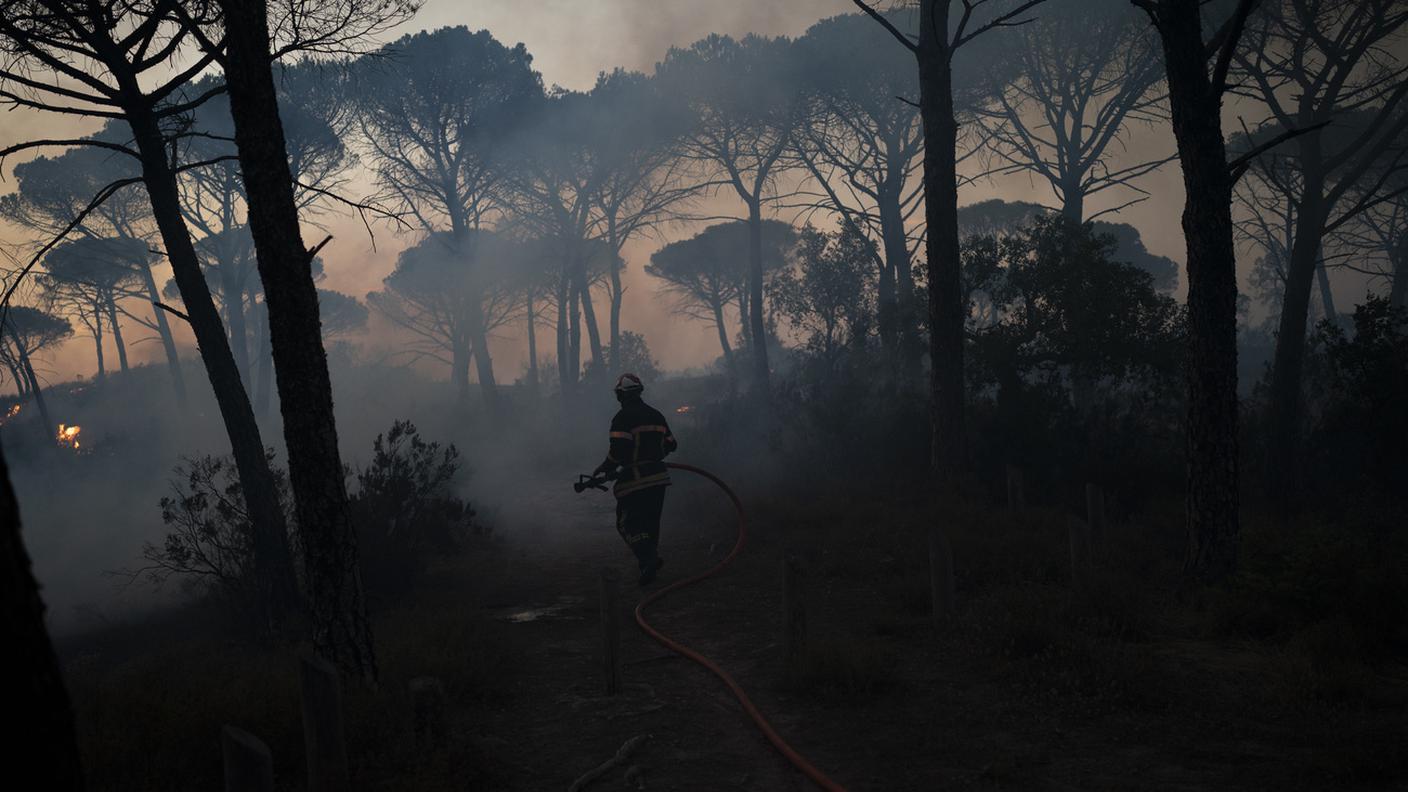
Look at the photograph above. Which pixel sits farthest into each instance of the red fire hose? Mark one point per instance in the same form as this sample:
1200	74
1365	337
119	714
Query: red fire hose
768	731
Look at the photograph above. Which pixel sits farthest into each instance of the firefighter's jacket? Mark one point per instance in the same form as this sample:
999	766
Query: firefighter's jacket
640	439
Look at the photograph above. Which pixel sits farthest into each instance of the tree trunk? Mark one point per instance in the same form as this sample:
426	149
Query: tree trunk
1327	296
98	341
947	441
264	375
617	294
1073	200
1398	292
43	749
532	348
233	296
890	318
579	271
756	323
273	563
341	633
117	335
37	391
1196	103
564	380
574	333
459	370
723	336
168	341
1289	360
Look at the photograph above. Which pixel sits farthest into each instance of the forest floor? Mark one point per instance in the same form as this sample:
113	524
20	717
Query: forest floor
1029	687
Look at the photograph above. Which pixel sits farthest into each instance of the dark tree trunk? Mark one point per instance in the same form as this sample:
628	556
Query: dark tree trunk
947	442
37	392
1327	295
43	746
273	563
889	317
233	296
723	336
168	341
117	335
1073	200
574	334
98	341
21	382
1196	104
532	347
459	370
757	324
342	632
589	316
1398	292
264	376
564	380
617	293
1289	361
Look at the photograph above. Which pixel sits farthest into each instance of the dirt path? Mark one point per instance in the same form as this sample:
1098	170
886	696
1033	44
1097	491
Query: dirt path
558	724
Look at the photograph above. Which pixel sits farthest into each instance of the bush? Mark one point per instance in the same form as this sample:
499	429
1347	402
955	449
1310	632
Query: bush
405	509
210	545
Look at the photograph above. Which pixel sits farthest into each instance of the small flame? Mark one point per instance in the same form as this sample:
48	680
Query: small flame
684	409
10	414
68	436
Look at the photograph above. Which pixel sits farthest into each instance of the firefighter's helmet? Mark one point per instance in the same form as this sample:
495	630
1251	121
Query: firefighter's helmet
628	383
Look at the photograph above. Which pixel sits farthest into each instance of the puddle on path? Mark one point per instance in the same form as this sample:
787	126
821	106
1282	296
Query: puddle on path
519	614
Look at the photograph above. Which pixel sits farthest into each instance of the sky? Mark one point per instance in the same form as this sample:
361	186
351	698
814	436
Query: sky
572	41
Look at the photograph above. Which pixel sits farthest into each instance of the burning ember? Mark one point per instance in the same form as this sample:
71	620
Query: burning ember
68	436
10	414
684	409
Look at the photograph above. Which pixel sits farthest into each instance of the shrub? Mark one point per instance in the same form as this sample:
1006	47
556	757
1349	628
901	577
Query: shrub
405	509
209	545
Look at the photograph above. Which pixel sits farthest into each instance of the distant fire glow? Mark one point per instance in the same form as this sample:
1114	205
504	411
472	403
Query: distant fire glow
68	436
10	414
684	410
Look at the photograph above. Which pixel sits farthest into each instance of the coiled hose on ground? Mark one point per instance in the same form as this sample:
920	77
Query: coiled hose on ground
797	760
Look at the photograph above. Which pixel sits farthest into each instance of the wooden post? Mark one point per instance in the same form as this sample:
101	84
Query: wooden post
941	581
1095	511
794	612
323	736
1016	489
611	630
428	706
249	767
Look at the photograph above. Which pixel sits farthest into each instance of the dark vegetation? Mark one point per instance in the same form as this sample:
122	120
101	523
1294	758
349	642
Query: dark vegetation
1060	515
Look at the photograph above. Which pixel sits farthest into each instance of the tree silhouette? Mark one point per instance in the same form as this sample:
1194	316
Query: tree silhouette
436	109
450	292
51	191
114	60
940	37
1085	73
707	273
744	106
88	275
1334	72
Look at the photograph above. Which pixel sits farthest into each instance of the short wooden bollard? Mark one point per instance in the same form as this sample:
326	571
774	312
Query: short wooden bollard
611	630
794	607
428	709
941	583
323	736
249	767
1016	489
1095	511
